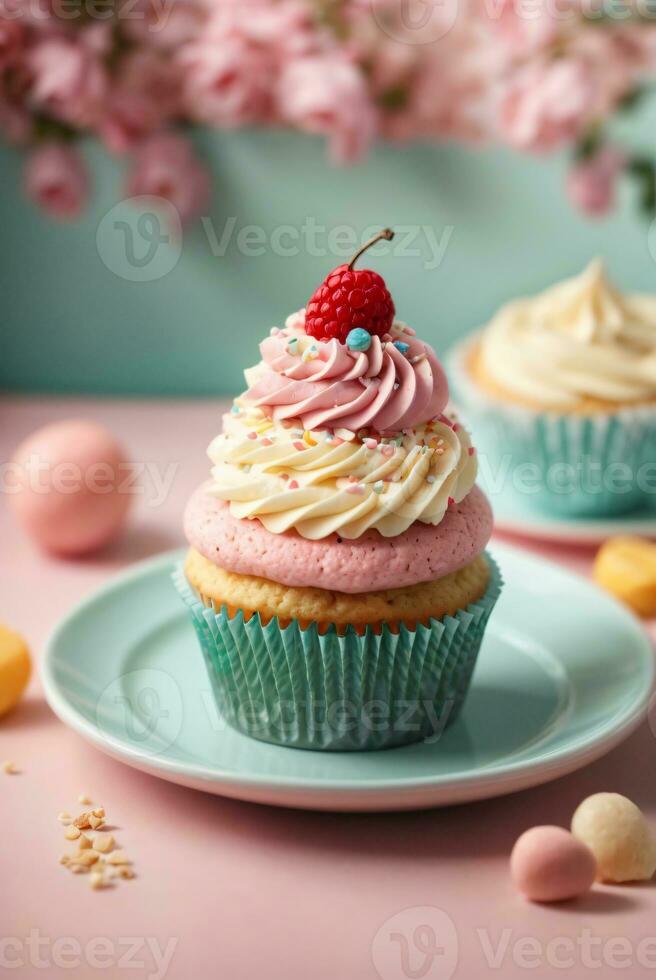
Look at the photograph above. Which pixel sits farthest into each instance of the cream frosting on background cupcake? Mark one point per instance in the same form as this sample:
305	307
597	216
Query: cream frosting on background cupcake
337	551
566	380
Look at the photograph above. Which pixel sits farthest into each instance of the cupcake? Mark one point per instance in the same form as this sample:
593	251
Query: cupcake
561	390
337	577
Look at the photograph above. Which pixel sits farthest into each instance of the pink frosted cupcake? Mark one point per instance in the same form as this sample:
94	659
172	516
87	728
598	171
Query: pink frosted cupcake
337	578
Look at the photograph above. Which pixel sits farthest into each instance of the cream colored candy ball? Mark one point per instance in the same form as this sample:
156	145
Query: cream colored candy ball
548	864
618	835
15	668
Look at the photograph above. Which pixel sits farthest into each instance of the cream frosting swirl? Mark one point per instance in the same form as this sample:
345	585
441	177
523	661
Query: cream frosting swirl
334	481
397	383
580	339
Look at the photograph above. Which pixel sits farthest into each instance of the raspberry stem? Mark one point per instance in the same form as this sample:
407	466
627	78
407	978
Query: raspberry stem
386	234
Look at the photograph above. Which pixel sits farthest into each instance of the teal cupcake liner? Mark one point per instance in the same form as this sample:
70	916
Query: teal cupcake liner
298	688
571	465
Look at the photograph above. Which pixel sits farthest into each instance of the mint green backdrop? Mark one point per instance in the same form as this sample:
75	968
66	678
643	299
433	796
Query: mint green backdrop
69	324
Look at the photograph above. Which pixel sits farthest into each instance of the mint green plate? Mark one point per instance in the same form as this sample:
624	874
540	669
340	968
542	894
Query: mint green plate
514	514
564	674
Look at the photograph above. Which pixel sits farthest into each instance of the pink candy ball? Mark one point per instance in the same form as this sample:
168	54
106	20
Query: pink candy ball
548	864
66	488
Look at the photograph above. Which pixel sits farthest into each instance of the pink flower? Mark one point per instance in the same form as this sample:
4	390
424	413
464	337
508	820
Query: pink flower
97	38
547	105
230	71
226	83
326	95
591	183
144	96
69	80
12	36
525	31
57	180
165	166
165	26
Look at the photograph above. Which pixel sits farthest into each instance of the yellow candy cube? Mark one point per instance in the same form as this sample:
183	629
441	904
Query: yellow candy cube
626	567
15	668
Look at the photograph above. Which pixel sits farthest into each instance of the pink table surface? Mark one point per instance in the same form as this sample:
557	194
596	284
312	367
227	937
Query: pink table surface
234	890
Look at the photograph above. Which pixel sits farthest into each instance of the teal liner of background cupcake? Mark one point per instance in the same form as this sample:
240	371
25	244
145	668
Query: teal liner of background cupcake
596	465
298	688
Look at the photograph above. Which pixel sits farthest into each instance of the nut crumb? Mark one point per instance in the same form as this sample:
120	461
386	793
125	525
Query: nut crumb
9	768
95	852
118	857
103	843
83	858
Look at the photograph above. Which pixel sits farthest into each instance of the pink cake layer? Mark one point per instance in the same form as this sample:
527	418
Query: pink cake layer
370	563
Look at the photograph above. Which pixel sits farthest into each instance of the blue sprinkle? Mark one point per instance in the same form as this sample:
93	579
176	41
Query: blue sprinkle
235	410
400	346
358	339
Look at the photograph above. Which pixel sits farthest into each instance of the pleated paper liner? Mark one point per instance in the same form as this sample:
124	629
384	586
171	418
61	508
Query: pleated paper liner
299	688
597	465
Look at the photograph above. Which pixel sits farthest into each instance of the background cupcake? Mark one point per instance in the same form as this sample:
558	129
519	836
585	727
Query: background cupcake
337	578
561	389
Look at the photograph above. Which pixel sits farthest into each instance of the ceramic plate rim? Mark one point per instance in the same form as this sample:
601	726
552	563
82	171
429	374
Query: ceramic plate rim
574	530
526	772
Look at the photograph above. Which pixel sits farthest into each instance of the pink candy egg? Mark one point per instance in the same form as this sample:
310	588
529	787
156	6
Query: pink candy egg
548	864
68	486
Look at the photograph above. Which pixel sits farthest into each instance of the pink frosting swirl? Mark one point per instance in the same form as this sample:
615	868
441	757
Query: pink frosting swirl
382	388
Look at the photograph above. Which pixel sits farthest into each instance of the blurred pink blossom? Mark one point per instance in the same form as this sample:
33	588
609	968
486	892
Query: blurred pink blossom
164	166
534	75
12	36
160	25
230	70
547	105
56	179
526	29
591	182
226	84
322	94
69	80
142	99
